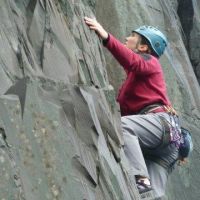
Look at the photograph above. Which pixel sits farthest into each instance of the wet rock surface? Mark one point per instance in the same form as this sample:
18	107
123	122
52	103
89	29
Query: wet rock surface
60	135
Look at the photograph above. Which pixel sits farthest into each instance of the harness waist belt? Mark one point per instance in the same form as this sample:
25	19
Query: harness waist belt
154	108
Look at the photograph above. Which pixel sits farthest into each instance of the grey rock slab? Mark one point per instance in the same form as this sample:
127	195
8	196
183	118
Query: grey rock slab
59	48
64	141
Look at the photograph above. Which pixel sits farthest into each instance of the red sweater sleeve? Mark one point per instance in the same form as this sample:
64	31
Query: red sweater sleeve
130	60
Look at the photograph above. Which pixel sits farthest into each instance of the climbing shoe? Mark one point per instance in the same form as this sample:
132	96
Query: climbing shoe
142	186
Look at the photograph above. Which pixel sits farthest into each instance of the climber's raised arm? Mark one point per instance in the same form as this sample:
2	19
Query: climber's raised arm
122	52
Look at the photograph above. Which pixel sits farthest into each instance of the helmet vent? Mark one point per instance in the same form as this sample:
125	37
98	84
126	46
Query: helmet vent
157	44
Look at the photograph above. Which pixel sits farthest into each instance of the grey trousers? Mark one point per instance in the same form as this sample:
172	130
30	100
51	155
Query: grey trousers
146	132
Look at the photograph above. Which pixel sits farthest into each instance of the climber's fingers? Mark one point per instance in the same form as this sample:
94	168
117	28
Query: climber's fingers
94	25
91	22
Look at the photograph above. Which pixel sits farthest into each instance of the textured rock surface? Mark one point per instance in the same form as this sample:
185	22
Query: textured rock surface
60	125
188	12
182	84
60	135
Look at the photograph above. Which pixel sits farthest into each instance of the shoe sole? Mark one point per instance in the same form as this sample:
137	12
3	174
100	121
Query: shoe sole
147	195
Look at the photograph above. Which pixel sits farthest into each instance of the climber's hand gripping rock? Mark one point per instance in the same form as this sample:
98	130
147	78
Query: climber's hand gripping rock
94	25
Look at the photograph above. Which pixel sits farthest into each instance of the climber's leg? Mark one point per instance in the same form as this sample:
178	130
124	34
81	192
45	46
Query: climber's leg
134	154
158	176
140	131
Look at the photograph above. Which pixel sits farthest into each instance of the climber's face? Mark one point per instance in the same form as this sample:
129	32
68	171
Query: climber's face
133	42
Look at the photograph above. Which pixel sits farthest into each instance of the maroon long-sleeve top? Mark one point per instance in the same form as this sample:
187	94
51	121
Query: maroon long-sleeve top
144	84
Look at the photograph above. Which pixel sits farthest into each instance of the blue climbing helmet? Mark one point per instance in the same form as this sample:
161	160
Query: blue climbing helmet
156	38
186	145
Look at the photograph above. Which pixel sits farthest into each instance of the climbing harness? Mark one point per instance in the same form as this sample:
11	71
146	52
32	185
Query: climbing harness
171	133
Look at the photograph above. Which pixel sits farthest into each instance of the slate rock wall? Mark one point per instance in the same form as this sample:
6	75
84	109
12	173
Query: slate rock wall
182	84
60	135
60	125
188	12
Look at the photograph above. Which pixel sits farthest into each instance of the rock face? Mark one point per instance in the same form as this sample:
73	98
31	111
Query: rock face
189	16
60	135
